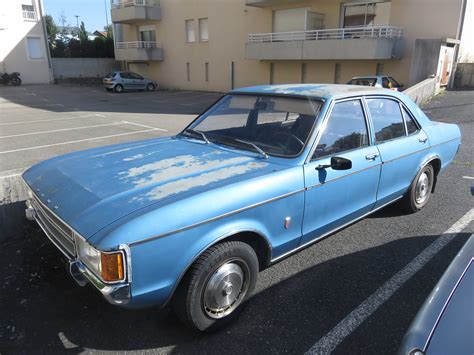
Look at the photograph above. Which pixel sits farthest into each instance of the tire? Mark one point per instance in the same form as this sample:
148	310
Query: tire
215	287
420	190
118	88
150	87
15	81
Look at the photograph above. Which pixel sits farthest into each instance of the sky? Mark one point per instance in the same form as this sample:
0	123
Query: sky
92	12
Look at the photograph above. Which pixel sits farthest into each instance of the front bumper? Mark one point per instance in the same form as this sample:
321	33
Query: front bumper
118	293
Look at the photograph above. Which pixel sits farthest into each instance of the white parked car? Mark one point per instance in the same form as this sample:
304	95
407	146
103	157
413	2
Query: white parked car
381	81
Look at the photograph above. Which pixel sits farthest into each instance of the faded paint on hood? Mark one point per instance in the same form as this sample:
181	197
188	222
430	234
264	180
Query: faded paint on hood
94	188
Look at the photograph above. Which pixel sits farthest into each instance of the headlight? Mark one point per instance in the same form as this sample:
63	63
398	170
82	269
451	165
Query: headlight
108	266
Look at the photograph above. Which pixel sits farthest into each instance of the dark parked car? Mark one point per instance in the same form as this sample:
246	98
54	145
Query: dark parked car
126	80
445	322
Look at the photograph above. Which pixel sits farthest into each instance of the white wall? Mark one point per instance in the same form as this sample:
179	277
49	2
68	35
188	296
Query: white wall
83	67
14	31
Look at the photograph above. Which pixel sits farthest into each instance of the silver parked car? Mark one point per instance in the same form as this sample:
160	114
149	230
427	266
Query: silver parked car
119	81
380	81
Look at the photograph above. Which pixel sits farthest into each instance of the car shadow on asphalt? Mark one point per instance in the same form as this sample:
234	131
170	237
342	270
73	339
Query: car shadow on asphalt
43	310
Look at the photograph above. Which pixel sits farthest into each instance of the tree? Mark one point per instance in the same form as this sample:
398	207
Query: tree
51	29
83	38
109	30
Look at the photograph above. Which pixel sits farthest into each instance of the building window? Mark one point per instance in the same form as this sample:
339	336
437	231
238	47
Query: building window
203	30
206	71
190	34
148	36
188	72
34	47
28	12
367	14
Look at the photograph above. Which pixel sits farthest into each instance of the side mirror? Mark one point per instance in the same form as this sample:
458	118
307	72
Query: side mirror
337	163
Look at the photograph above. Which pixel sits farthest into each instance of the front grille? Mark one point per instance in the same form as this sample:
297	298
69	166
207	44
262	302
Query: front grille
58	232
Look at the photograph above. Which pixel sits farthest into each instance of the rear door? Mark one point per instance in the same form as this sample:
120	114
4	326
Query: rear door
402	145
336	197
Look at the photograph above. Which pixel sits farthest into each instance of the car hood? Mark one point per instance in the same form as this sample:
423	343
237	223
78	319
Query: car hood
91	189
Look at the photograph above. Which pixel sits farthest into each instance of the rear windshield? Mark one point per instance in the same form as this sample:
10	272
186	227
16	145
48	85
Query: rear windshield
110	75
363	81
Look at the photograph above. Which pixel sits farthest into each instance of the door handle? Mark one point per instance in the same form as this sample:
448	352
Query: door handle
371	156
423	140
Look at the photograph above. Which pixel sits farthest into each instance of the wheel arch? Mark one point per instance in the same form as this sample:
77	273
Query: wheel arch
258	241
435	162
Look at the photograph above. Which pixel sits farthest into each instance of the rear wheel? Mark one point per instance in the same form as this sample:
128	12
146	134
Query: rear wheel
420	190
118	88
213	290
15	81
150	87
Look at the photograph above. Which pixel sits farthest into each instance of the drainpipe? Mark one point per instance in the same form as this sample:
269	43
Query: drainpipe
456	49
45	34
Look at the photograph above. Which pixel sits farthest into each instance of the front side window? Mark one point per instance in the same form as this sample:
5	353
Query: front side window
386	118
346	129
190	35
135	76
279	126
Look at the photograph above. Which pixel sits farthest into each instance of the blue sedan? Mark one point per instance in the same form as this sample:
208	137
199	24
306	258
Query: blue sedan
266	171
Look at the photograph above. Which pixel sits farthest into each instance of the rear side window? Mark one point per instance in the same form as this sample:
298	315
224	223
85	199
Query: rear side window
124	75
411	125
386	118
346	130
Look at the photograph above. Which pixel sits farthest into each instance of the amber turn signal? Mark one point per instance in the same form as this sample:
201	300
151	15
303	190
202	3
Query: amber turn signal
112	266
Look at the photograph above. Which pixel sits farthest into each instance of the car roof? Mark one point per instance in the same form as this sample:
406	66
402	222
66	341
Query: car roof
325	91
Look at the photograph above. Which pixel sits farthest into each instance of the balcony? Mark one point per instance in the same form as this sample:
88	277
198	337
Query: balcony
138	51
268	3
379	42
130	11
29	15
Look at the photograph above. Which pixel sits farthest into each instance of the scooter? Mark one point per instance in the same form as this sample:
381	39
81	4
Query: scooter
13	78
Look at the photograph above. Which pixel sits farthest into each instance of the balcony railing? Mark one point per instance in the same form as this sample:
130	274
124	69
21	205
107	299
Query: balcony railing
127	3
326	34
29	15
136	44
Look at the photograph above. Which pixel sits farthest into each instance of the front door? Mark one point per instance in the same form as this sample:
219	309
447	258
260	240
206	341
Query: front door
336	197
138	81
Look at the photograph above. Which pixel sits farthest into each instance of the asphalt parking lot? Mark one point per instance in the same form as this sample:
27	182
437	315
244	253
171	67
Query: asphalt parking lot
330	297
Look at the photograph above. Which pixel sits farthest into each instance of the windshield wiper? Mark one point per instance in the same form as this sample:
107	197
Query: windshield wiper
256	147
190	130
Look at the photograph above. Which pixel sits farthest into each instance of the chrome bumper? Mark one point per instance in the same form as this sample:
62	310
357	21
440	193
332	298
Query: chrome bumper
115	294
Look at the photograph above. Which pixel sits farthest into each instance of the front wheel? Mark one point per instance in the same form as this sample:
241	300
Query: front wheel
420	190
150	87
213	290
16	81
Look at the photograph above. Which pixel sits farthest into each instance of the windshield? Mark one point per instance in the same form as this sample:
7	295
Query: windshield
363	81
270	125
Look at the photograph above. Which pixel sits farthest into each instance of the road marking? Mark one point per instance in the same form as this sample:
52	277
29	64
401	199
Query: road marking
48	120
11	173
145	126
99	115
468	177
77	141
62	130
331	340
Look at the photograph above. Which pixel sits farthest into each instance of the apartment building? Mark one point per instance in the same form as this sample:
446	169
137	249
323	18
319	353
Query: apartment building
23	41
221	44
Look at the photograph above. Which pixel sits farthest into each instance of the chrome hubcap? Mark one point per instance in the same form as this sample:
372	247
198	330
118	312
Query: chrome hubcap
226	288
422	188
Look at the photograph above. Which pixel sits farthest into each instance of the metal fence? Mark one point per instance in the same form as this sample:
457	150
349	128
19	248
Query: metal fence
336	33
29	15
126	3
135	44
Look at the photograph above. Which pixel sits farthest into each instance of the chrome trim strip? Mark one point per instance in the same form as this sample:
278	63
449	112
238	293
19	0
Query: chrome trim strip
165	234
331	231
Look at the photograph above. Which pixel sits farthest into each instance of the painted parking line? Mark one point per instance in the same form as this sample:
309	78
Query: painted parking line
51	119
146	126
468	177
11	173
63	129
78	141
335	337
